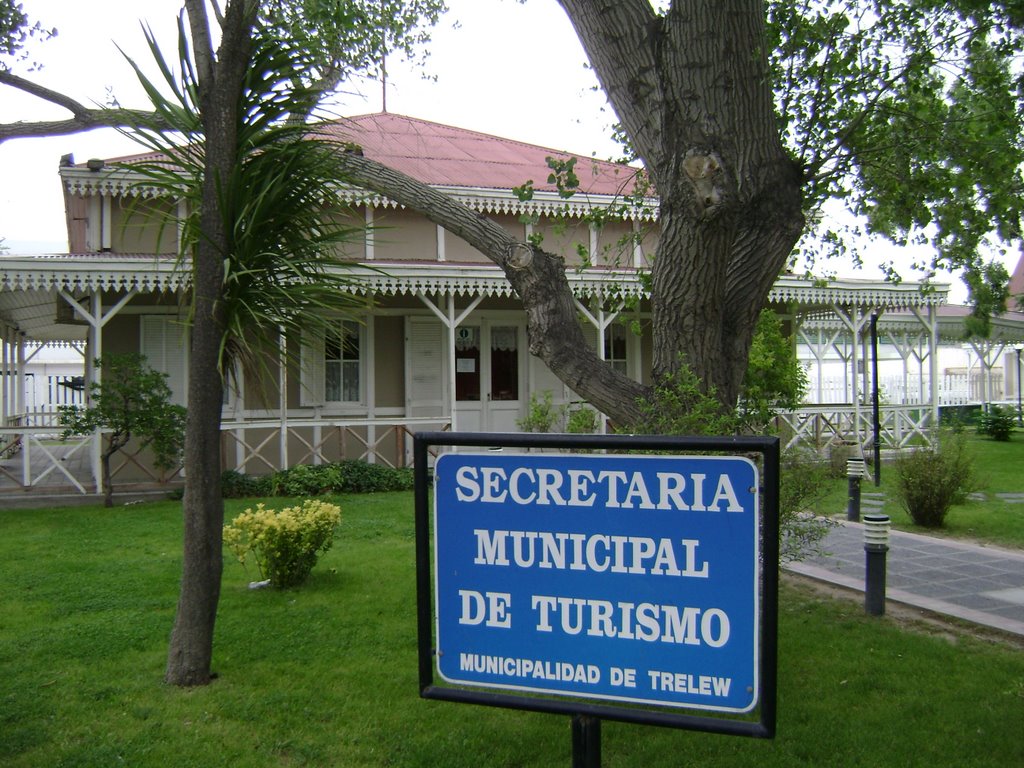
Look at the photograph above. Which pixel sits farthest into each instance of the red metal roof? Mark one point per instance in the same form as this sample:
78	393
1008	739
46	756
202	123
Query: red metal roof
445	155
448	156
1017	284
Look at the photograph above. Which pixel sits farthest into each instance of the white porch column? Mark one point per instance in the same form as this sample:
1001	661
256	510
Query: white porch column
933	361
5	373
854	320
94	376
930	322
638	249
282	397
451	321
369	245
371	389
988	353
19	393
601	322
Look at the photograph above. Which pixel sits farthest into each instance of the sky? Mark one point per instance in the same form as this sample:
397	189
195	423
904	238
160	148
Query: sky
501	67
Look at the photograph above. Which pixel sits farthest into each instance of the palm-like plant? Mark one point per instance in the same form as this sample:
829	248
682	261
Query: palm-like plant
260	234
279	205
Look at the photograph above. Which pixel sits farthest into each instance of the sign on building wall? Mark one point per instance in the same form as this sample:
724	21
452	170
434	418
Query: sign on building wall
624	579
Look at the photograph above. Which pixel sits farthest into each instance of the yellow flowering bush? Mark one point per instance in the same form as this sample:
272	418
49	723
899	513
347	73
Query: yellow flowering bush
286	544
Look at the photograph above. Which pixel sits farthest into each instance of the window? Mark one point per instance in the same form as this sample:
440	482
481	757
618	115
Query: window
615	346
342	348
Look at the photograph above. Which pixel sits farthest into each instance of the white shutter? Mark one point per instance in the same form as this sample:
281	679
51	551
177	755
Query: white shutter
162	342
311	391
425	385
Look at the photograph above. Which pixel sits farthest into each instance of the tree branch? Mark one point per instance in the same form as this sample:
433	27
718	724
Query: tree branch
620	38
537	277
83	118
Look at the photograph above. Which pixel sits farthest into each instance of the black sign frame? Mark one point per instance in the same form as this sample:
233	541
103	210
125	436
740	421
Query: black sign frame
769	449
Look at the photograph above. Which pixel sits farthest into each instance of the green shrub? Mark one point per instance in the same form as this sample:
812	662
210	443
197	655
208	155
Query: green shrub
997	423
285	545
236	485
581	421
929	482
349	476
678	405
305	480
803	483
541	415
838	455
356	476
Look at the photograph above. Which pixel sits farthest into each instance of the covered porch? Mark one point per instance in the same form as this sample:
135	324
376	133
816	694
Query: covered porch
443	347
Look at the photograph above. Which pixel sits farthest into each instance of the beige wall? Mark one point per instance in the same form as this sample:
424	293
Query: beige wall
121	335
136	227
400	235
389	356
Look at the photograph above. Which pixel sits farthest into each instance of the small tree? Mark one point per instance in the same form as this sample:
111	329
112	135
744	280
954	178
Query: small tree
997	422
929	482
776	380
132	401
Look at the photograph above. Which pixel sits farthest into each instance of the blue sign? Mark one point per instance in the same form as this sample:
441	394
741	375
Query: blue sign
625	578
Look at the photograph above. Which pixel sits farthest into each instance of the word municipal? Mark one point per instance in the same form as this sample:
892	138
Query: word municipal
559	550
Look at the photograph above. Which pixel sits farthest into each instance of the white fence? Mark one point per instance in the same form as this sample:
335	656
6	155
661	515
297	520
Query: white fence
959	389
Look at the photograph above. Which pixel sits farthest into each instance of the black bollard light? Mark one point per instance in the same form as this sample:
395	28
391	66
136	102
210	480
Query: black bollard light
854	473
876	545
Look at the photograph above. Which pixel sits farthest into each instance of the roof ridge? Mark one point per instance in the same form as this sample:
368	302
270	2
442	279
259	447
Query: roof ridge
482	135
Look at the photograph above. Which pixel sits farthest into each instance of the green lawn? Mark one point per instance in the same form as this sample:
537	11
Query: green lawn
1000	466
326	675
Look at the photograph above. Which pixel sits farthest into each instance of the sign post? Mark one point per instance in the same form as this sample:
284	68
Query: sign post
602	583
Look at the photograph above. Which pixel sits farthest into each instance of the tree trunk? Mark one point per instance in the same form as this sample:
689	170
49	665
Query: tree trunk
108	488
191	647
692	91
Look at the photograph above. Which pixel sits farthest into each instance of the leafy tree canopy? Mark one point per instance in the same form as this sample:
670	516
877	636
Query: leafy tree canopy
16	30
912	114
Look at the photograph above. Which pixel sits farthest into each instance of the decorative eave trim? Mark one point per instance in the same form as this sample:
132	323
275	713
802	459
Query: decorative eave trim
122	182
502	201
483	280
155	274
114	182
852	292
150	274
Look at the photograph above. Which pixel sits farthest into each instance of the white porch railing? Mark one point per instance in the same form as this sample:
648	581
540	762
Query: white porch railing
33	456
953	389
822	426
258	445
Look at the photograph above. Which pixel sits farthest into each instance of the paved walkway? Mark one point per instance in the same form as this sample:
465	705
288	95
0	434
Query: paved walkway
979	584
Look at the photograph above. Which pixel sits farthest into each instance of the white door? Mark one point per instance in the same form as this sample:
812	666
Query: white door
488	377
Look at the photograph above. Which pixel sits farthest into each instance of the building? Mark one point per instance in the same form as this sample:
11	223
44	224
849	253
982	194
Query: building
441	343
